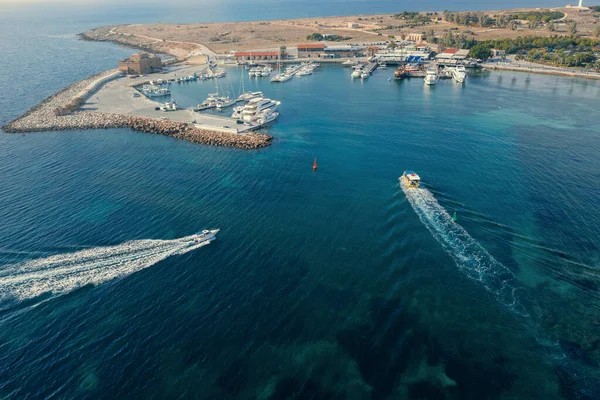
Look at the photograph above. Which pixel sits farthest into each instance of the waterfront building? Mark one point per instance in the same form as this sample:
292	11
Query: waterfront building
452	56
312	50
259	55
142	63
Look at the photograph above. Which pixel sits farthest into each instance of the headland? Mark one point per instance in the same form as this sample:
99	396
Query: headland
561	41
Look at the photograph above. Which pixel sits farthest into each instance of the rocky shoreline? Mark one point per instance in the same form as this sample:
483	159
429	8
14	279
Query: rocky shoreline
46	116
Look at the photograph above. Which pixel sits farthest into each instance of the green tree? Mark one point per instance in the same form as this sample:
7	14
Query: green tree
597	32
480	51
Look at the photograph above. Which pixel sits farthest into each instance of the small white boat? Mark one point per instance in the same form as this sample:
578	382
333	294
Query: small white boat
224	102
349	63
266	117
281	78
364	75
431	77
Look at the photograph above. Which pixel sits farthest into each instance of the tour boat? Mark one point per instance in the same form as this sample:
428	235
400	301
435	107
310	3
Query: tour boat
432	77
410	179
399	74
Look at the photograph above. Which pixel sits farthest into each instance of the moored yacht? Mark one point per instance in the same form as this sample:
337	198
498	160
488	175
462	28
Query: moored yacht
281	77
431	77
459	74
247	96
356	73
266	117
255	107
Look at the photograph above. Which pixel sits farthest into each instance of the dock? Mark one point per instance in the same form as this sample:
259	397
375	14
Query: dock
370	67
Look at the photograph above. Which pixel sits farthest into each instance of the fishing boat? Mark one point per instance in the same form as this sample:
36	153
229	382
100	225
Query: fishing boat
410	179
205	236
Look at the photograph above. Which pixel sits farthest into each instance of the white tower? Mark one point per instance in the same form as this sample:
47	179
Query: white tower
580	4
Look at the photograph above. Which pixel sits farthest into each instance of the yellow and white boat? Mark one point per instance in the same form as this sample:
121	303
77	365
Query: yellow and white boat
411	180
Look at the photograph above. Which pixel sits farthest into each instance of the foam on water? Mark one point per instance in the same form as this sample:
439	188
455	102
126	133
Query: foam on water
470	257
63	273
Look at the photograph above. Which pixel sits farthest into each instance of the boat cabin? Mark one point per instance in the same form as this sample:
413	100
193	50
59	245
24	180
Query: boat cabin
411	179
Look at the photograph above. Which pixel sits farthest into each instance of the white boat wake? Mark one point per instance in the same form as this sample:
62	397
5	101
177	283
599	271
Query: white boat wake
470	257
63	273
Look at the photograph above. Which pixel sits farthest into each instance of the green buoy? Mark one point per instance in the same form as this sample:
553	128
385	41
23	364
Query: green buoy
454	216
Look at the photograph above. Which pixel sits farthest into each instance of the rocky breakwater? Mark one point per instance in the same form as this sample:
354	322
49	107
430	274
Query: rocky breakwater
49	116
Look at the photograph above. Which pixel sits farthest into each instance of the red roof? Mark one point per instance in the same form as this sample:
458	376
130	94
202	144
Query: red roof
450	51
255	53
373	48
311	46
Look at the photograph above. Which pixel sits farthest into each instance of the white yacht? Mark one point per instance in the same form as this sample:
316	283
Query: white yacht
281	78
224	102
247	96
459	74
169	106
431	77
364	75
356	73
266	117
350	63
255	107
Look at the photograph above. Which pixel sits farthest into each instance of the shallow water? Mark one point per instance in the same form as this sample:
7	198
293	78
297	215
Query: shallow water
325	284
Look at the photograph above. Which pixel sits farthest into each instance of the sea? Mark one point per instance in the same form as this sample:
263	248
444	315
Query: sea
335	283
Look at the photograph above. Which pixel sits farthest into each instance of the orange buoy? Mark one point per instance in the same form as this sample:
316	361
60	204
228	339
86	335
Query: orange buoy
315	164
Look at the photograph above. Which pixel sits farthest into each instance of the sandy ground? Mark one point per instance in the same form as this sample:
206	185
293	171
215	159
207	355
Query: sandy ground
186	40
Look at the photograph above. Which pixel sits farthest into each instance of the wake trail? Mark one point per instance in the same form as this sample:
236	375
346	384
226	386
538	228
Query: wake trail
63	273
470	257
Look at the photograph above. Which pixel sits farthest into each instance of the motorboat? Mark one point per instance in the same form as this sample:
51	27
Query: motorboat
169	106
410	179
445	73
364	75
350	63
266	117
205	236
155	91
247	96
431	77
281	78
255	107
459	74
224	102
356	73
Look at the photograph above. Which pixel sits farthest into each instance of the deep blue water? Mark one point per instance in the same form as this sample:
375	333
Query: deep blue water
325	284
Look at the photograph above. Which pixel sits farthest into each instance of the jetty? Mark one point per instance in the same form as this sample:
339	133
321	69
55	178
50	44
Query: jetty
106	101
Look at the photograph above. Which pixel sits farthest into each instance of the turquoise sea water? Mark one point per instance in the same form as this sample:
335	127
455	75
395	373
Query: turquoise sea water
326	284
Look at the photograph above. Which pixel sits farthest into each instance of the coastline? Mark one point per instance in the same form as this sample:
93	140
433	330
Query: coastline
46	117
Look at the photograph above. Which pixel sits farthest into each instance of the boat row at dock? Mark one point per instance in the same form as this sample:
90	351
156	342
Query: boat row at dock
160	87
431	75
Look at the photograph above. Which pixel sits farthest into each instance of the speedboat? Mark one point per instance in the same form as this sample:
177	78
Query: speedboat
459	74
206	235
410	179
364	75
349	63
432	77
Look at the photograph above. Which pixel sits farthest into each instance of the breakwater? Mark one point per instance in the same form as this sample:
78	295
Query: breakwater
59	113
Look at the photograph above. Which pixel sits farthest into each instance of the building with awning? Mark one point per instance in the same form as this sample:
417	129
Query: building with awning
452	56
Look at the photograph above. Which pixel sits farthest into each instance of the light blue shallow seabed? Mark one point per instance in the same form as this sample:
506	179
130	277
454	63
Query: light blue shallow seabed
327	284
